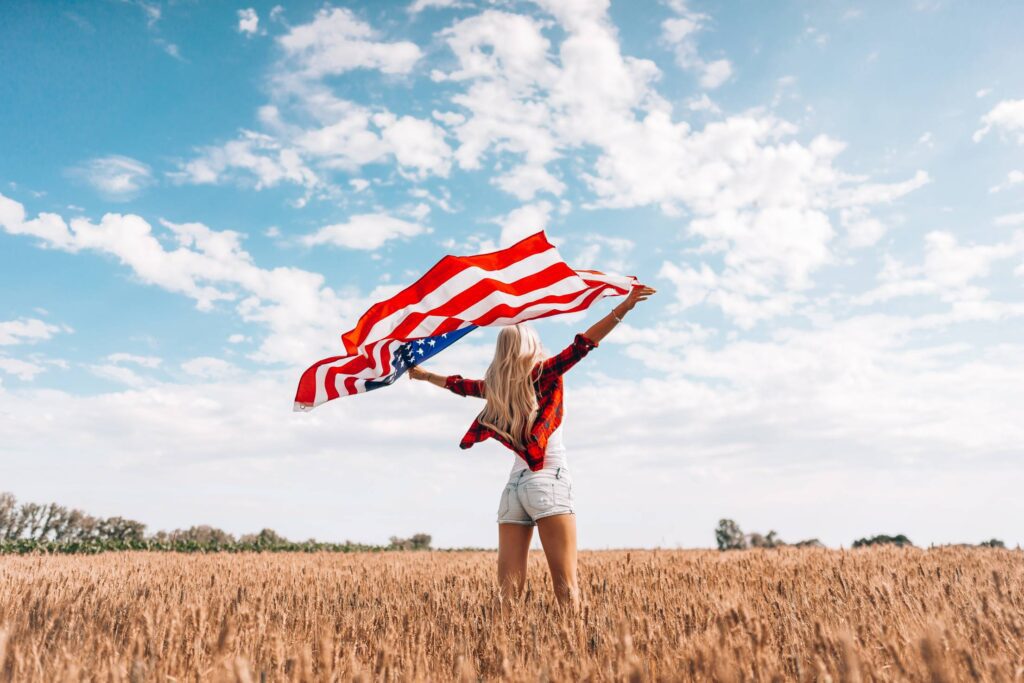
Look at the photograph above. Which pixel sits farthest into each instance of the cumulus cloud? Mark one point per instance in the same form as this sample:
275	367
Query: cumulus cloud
299	312
308	133
22	369
680	33
27	330
949	270
1012	178
115	177
365	231
607	254
418	6
135	359
1007	118
118	374
336	41
762	204
207	367
523	222
248	21
254	155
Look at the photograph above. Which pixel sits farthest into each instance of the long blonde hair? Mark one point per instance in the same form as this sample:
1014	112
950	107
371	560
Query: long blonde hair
508	384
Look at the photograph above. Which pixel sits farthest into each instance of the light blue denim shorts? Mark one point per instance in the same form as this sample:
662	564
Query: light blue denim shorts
529	496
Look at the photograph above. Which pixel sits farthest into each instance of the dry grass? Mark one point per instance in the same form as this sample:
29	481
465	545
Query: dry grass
883	614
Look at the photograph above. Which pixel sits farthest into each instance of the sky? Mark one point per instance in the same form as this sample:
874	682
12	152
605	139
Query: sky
196	199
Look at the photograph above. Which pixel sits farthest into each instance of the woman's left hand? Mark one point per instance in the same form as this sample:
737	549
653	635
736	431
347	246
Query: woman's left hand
416	372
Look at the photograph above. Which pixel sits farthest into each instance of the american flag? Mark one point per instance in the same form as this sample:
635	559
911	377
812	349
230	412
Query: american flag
525	281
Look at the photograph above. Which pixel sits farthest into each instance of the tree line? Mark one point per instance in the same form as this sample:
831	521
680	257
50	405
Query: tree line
34	527
729	536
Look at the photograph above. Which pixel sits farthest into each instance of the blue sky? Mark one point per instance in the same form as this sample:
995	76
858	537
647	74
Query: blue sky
196	199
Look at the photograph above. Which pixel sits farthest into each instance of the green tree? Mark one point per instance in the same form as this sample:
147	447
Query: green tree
882	539
729	536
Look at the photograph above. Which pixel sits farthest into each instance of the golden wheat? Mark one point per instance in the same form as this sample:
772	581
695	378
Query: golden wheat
878	614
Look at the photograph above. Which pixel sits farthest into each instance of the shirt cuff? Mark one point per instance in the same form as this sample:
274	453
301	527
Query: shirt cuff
585	341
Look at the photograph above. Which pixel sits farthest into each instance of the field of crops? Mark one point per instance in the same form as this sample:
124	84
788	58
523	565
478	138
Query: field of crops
876	614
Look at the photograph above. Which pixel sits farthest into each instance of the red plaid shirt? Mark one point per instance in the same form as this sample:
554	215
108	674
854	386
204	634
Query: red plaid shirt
548	388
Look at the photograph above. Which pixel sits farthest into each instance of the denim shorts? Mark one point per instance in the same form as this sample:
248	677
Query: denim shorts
529	496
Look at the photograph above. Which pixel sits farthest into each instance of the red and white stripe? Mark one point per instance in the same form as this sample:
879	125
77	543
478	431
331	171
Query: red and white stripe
522	282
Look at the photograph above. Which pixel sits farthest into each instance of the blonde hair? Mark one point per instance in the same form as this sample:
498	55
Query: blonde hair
508	384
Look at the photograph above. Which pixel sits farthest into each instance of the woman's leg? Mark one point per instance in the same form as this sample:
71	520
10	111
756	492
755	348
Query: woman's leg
558	536
513	553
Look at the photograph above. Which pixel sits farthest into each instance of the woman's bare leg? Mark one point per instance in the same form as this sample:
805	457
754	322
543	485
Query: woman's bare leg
513	553
558	536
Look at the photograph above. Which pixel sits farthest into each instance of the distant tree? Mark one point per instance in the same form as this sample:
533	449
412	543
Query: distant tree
772	540
729	536
416	542
266	537
121	529
203	535
809	543
882	539
8	515
992	543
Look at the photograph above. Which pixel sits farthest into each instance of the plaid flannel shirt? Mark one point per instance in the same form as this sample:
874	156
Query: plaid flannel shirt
548	388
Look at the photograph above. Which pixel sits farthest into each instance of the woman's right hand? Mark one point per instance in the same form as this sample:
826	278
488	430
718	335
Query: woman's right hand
416	372
637	294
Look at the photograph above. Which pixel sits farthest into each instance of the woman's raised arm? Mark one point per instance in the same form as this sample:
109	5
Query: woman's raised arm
602	327
456	384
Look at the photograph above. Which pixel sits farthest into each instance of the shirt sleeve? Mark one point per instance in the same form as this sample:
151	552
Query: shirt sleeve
464	387
569	356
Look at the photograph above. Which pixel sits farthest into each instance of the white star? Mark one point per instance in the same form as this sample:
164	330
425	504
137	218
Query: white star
420	351
419	342
431	342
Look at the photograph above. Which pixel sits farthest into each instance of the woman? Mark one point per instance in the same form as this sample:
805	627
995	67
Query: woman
523	391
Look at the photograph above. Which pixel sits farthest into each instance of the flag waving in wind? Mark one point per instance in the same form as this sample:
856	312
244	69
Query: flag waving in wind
525	281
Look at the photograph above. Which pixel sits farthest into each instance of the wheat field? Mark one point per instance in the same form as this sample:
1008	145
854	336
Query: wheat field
945	614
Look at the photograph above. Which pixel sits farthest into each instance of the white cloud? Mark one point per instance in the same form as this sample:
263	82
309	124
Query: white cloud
206	367
1007	118
603	253
1010	219
524	182
119	374
114	177
308	134
248	21
365	231
27	330
758	198
418	6
417	144
238	338
300	313
255	154
1012	178
22	369
948	270
680	33
142	361
523	222
336	41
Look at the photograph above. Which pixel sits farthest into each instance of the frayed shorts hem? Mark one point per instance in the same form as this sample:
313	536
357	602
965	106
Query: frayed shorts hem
534	521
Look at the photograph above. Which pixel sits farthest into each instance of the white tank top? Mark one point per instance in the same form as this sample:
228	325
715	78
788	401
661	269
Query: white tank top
554	454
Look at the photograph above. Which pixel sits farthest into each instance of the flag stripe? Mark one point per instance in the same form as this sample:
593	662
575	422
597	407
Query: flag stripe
526	281
458	284
446	270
